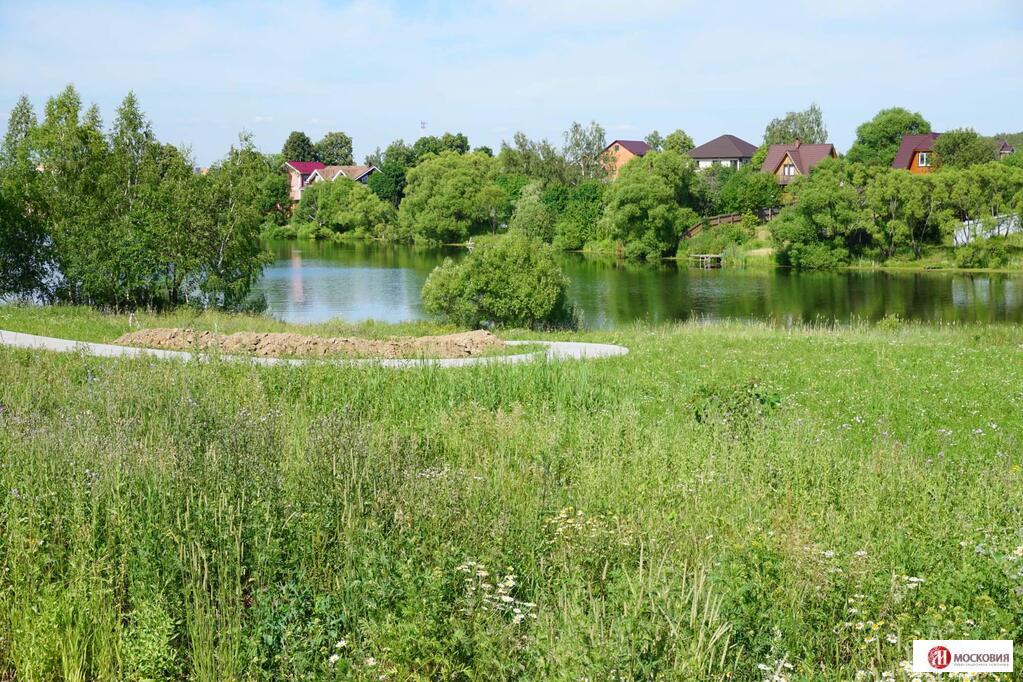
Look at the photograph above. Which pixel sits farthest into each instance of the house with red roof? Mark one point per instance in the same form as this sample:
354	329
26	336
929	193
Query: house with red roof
786	162
726	150
916	153
298	175
620	152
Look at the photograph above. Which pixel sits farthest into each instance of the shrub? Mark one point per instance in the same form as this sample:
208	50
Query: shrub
718	238
508	281
983	253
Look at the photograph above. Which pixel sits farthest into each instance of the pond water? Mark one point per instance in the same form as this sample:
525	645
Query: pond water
316	281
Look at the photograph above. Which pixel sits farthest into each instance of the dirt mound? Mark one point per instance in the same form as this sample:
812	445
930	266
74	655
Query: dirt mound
297	345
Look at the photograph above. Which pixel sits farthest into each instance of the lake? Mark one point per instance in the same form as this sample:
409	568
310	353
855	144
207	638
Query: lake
316	281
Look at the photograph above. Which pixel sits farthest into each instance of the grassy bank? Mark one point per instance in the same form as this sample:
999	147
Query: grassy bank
725	499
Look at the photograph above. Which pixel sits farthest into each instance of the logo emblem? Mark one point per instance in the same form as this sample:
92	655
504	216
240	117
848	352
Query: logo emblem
939	657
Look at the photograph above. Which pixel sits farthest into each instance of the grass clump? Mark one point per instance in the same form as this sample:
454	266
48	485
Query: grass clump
724	501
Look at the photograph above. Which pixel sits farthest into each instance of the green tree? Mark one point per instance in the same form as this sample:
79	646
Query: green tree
961	148
655	141
535	160
583	148
749	190
334	149
512	280
877	140
444	198
389	182
679	142
579	215
298	147
346	206
24	249
532	215
901	211
650	204
807	126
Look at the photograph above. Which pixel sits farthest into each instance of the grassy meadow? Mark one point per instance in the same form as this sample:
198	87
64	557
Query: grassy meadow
727	502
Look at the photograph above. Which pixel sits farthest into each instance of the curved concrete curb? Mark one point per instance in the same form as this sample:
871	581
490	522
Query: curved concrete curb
556	350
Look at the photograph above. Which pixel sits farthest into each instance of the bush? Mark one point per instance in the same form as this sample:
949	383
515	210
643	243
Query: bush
718	238
983	253
507	281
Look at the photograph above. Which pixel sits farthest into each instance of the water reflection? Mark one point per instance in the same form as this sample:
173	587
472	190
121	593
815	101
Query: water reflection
312	282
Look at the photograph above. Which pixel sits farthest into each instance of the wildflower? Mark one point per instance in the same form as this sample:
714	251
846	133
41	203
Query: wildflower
860	554
341	643
334	658
828	554
370	662
892	638
1018	551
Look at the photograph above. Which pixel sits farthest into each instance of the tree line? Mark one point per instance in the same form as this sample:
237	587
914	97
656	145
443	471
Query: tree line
115	218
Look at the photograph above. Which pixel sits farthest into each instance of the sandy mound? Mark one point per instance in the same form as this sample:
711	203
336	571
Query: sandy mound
297	345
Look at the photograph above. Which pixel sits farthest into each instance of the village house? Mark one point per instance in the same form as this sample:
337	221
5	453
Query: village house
726	150
301	174
298	175
916	153
786	162
1004	149
620	152
332	173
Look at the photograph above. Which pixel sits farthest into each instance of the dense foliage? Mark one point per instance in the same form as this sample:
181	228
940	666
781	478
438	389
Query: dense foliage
847	210
512	280
342	207
651	203
878	140
118	219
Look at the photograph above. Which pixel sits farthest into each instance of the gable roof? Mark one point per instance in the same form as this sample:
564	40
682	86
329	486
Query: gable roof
723	147
1006	148
805	156
637	147
910	145
304	167
354	172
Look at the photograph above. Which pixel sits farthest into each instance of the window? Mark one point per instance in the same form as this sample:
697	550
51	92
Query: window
735	164
617	148
788	170
924	159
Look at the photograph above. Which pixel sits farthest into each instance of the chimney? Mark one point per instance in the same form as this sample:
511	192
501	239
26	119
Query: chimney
798	142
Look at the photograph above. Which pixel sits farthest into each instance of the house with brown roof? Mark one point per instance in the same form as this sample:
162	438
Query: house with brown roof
786	162
916	153
332	173
726	150
1004	149
620	152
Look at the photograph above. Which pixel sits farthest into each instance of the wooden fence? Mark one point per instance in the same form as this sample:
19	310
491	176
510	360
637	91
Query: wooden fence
763	215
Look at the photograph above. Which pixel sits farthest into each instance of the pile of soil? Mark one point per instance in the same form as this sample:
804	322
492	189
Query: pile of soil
297	345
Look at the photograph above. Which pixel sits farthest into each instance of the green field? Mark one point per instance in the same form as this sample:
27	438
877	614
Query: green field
727	502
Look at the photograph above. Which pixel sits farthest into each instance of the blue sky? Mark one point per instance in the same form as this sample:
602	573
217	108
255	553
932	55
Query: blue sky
206	70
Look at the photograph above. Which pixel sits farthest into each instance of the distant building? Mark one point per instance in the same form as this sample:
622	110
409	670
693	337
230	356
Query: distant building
332	173
298	174
726	150
620	152
916	153
786	162
1004	149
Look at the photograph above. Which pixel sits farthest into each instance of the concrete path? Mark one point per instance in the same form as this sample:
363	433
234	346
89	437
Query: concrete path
556	350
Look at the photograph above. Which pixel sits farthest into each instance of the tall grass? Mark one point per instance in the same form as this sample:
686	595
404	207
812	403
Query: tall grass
726	502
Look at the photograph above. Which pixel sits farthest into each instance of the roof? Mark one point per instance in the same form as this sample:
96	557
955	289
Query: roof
724	147
805	156
305	167
354	172
910	145
637	147
1006	148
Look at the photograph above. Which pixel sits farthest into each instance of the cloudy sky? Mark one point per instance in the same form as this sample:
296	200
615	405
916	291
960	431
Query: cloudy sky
206	70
